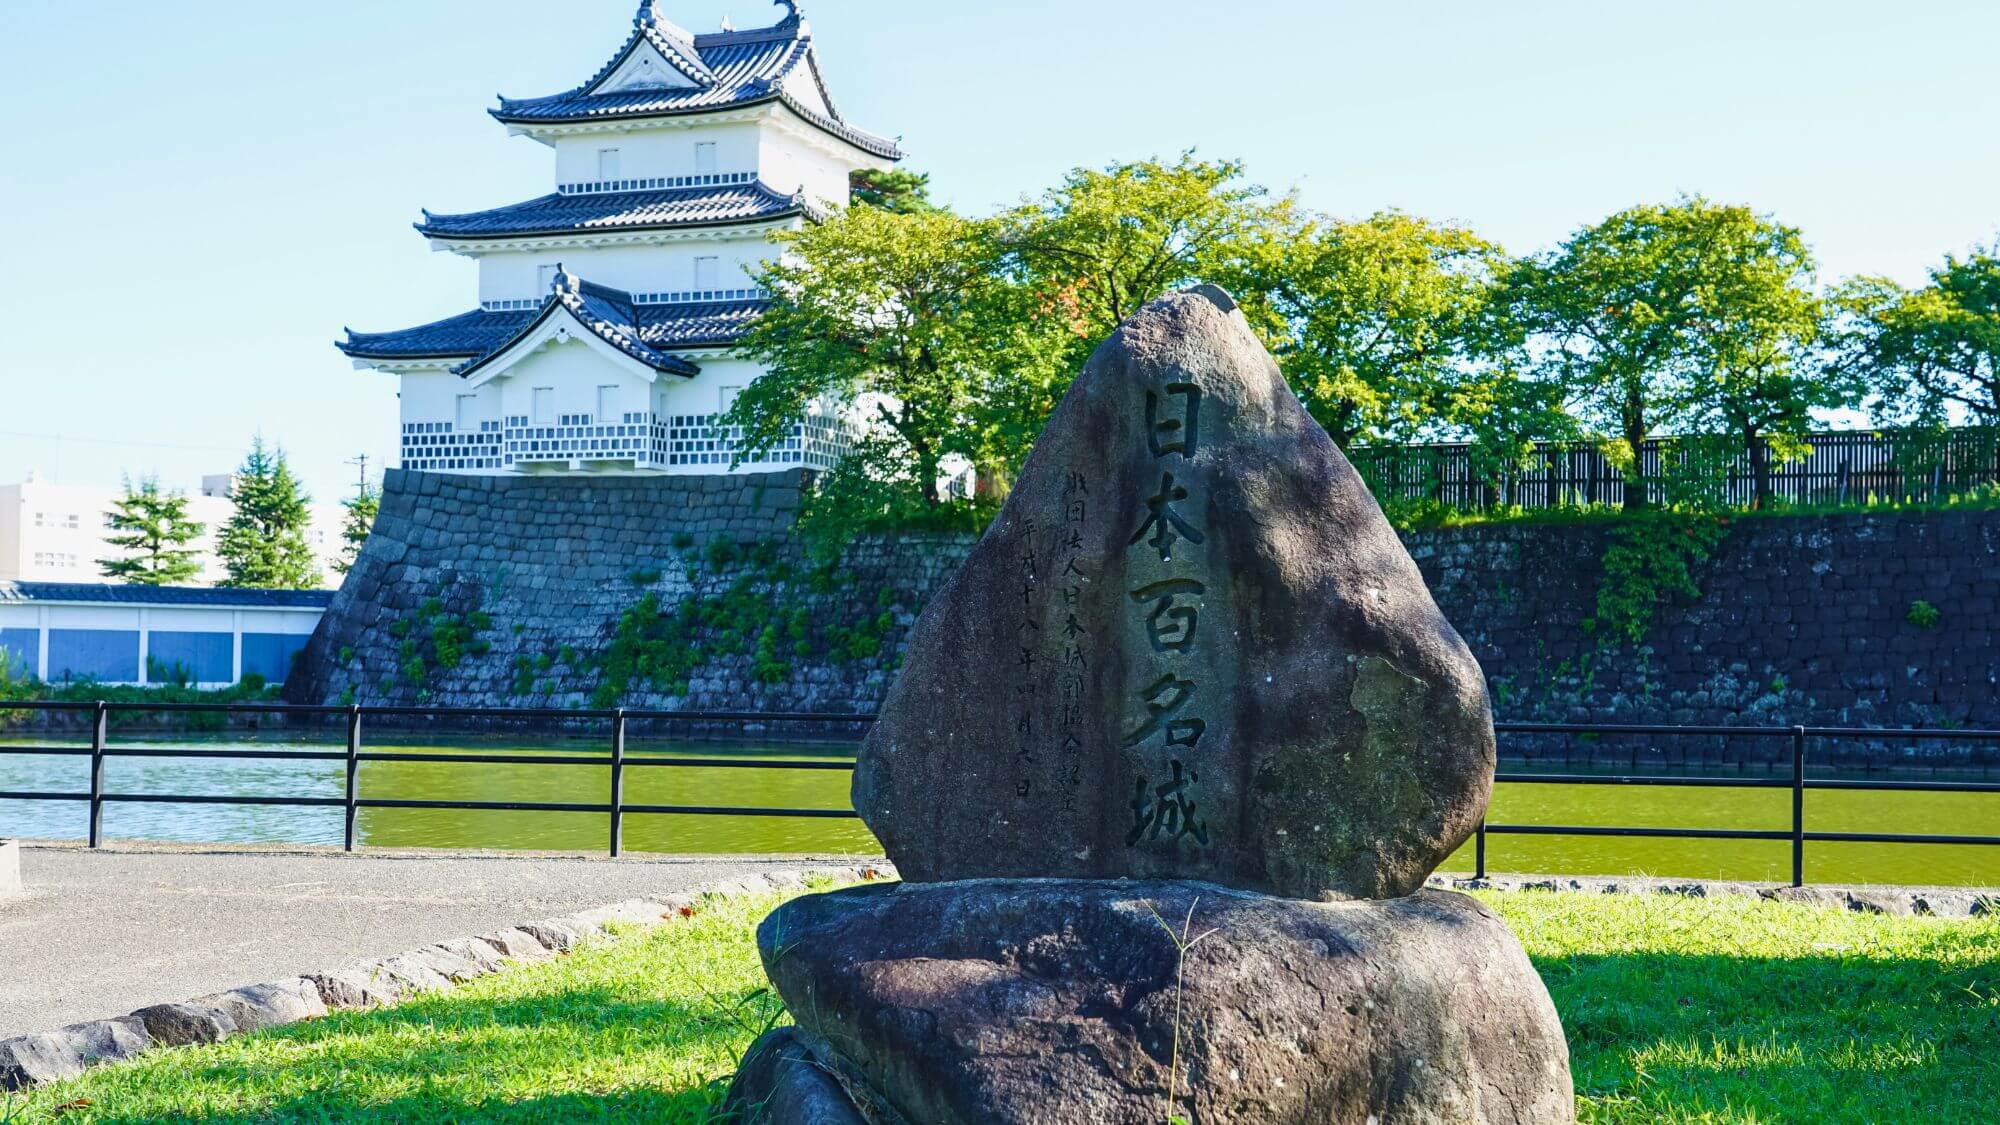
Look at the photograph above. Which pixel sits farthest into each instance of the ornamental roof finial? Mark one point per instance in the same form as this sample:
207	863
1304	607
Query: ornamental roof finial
791	6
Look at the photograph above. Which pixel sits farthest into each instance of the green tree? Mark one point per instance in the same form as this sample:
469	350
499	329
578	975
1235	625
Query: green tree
362	508
1754	373
1504	418
892	189
263	546
1928	353
1103	243
902	316
1634	316
1372	321
154	532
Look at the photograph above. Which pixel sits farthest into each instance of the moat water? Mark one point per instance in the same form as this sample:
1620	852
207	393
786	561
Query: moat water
525	781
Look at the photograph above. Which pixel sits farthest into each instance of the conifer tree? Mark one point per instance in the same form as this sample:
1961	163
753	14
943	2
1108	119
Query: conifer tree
154	532
361	510
263	546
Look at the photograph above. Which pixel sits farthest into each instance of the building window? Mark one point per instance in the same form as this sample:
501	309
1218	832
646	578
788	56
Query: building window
729	396
607	402
704	158
544	406
468	413
607	164
707	274
546	278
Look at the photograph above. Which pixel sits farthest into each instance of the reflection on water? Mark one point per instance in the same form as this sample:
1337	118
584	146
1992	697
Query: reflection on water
1841	811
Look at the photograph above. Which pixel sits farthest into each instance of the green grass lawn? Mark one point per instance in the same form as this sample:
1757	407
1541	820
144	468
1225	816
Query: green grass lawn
1677	1009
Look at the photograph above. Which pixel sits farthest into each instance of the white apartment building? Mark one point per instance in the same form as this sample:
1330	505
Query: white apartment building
607	308
55	532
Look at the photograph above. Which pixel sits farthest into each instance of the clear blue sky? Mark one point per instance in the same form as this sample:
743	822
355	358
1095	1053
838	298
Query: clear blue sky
198	195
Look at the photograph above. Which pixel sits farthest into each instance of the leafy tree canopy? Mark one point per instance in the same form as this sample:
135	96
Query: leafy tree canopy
1931	352
903	317
263	546
155	534
1103	243
1372	321
1661	311
892	189
362	508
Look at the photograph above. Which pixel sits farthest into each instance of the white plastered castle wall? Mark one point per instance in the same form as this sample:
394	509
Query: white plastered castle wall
520	275
661	150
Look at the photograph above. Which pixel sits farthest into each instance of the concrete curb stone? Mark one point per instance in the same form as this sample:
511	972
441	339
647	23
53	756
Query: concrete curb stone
10	870
1937	902
29	1060
179	1025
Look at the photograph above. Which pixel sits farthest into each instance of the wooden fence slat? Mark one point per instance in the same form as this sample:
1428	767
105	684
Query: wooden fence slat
1855	465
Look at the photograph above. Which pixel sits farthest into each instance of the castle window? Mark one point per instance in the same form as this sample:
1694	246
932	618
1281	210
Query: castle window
704	158
707	273
607	164
544	406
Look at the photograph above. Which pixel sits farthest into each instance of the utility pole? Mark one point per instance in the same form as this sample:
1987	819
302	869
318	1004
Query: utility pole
362	461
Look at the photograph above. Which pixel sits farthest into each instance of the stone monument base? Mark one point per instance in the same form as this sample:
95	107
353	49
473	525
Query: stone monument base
1052	1001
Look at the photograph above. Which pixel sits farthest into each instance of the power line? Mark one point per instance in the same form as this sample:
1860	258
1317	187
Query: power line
116	442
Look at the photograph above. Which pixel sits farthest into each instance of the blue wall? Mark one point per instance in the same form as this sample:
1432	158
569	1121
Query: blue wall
207	658
110	655
21	647
270	655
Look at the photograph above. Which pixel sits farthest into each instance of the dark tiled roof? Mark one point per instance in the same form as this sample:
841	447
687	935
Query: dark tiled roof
467	334
17	592
609	313
723	205
744	68
475	335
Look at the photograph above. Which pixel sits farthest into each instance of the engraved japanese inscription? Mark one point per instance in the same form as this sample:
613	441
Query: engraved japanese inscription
1189	647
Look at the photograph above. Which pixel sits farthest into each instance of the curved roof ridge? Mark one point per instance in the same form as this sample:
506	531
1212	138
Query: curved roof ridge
470	335
731	204
607	313
793	26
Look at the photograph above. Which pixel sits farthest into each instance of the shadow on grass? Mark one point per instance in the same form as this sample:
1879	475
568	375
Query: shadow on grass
1836	1038
584	1054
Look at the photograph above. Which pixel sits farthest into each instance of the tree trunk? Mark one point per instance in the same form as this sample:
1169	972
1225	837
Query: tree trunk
1635	477
1634	417
1760	468
927	470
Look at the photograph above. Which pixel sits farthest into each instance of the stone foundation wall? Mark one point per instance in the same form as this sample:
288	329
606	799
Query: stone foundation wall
539	572
1800	619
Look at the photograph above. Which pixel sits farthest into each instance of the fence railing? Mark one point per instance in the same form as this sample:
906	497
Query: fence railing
1799	739
1841	467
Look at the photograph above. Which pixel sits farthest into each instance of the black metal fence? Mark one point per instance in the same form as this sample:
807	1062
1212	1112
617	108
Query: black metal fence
354	754
1799	739
1844	467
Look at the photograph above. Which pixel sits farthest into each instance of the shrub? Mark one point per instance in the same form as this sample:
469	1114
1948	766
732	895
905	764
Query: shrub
1923	614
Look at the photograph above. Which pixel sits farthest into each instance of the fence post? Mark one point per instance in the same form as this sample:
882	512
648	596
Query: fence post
353	774
97	730
1798	806
1479	850
618	783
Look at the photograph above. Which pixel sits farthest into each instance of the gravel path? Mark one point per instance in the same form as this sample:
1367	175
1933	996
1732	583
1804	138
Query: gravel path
102	933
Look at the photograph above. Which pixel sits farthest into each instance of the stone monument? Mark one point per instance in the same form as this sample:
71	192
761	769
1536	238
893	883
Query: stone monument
1167	766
